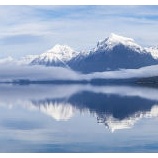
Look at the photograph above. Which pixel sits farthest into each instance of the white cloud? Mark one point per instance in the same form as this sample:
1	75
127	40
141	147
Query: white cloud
148	71
14	70
78	26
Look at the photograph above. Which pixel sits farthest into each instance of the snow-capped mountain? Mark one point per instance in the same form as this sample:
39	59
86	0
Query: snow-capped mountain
113	53
57	56
153	51
114	40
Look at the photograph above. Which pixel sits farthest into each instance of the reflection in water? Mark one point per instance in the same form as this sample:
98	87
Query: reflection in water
128	122
113	111
117	107
59	111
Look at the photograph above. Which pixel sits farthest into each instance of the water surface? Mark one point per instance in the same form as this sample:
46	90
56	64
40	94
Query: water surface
78	118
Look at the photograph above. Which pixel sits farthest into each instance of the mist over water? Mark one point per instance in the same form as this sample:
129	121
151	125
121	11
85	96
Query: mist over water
15	71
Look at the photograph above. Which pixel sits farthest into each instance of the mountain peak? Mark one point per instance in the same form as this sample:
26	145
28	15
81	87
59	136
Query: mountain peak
57	56
114	40
63	52
117	38
60	49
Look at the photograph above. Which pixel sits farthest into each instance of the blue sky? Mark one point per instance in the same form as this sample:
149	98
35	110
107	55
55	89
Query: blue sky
34	29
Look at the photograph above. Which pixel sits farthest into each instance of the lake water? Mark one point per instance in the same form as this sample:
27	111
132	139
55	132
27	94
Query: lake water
78	118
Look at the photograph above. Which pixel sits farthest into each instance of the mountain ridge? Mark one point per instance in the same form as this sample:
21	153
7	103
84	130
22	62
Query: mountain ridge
113	53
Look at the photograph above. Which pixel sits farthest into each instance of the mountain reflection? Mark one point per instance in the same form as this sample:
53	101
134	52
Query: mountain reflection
114	111
116	107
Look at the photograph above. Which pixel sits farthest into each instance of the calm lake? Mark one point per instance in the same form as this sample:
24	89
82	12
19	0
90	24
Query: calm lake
78	118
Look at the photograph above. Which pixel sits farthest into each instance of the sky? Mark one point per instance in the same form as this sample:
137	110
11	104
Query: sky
27	29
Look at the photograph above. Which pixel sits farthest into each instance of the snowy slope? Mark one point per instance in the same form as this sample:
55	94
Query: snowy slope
113	40
153	51
57	56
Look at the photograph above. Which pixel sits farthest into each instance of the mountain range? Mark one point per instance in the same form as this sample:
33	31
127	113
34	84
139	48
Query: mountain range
113	53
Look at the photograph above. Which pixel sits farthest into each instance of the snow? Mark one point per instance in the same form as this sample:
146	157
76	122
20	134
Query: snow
113	40
59	52
60	55
48	57
153	51
63	54
57	56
